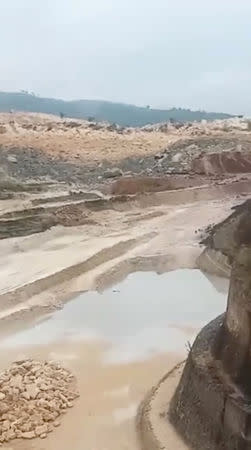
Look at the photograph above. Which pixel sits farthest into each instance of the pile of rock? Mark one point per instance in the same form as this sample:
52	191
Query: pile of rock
33	396
203	127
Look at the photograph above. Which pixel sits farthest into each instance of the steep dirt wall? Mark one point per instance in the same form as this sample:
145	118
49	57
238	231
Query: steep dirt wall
214	262
223	163
211	406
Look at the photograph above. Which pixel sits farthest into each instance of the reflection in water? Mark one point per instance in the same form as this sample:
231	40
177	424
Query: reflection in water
145	314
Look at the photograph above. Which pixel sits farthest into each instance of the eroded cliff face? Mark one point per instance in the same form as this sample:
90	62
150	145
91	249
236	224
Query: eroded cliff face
222	241
233	232
211	408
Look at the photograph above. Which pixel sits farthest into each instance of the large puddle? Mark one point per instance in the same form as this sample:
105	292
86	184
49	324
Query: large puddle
145	314
119	344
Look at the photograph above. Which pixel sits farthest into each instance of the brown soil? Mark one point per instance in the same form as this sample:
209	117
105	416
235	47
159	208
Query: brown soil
140	184
104	415
223	163
55	137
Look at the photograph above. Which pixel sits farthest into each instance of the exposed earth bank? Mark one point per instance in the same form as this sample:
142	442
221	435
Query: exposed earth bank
210	406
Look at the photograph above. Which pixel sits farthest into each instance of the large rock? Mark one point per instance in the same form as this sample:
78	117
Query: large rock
211	408
113	173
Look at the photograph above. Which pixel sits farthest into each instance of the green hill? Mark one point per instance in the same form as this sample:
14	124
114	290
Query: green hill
120	113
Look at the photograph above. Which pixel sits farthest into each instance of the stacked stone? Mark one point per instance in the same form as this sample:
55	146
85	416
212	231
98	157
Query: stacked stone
33	396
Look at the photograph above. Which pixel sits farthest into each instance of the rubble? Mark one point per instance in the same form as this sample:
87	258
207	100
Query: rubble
113	173
33	396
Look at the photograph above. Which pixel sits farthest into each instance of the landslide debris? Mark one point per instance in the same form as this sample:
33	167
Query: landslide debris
33	396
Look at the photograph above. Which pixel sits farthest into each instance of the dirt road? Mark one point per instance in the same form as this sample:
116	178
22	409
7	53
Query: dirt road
154	232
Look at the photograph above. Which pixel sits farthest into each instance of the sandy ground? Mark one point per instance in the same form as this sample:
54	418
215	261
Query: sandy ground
39	272
112	377
155	430
42	270
48	133
104	416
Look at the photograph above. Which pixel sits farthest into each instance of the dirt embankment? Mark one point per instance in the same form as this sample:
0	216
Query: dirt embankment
191	414
140	184
223	163
216	257
210	407
39	147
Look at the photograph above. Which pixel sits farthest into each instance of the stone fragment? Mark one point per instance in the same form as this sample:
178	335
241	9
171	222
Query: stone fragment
25	395
12	158
27	364
6	425
43	429
32	390
9	435
112	173
43	436
16	381
44	387
28	435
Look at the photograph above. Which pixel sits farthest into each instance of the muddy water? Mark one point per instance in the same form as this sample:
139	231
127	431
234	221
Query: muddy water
119	343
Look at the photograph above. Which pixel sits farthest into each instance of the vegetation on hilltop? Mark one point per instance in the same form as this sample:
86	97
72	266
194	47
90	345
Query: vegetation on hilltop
120	113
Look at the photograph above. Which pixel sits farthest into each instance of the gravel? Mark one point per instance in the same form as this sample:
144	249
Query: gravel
33	396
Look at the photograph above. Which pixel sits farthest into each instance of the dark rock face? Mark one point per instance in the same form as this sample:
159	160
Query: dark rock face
207	409
211	408
229	235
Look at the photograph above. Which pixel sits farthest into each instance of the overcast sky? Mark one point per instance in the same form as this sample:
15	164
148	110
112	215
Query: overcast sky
187	53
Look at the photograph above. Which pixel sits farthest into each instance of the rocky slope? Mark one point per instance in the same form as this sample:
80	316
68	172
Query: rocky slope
40	147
